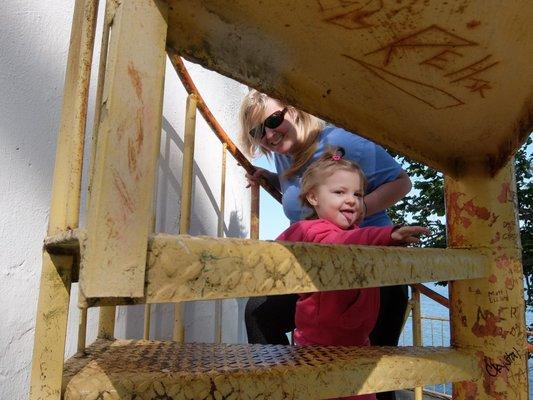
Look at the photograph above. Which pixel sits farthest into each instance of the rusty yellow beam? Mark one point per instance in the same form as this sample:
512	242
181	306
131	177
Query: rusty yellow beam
120	202
487	314
184	268
462	73
197	371
54	291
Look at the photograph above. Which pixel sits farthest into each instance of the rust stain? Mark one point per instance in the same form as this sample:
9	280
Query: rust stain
456	219
126	200
136	81
487	324
489	384
473	24
475	211
509	283
506	194
469	390
135	145
112	229
503	262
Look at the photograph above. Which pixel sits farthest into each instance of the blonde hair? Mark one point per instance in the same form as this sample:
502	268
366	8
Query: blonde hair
321	169
307	128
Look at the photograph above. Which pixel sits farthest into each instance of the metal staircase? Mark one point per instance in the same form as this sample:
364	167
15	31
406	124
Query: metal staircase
393	74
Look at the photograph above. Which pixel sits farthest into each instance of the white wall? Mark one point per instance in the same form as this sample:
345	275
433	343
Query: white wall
34	39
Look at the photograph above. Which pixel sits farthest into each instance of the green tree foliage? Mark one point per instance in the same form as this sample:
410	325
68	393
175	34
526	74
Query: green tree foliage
426	207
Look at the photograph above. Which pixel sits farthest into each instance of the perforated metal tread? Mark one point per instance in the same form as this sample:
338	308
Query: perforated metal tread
138	369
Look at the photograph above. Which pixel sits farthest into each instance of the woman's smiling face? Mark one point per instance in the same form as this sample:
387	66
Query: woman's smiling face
282	139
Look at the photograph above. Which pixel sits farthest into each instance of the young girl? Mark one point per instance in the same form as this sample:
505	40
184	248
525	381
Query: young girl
334	188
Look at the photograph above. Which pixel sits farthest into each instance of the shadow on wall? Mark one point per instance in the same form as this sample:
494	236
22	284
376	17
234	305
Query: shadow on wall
199	316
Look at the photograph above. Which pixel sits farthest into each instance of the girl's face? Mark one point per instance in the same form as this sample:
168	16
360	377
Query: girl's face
339	199
284	138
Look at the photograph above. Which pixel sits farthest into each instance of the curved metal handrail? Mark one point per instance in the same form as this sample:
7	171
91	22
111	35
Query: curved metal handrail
190	87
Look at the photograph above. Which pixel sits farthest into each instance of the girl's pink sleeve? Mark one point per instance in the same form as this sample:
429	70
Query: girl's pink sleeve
372	235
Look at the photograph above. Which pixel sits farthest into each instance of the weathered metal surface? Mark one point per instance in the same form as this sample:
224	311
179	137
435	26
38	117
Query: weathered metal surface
193	268
184	268
151	370
120	203
65	204
487	314
106	322
54	291
429	79
51	328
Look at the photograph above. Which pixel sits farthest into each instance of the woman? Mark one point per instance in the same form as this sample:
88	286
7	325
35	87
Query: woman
295	139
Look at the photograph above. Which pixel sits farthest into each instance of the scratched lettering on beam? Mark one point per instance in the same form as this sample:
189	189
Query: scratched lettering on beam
350	14
454	71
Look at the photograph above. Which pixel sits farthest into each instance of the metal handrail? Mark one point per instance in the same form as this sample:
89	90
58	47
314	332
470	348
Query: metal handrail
190	87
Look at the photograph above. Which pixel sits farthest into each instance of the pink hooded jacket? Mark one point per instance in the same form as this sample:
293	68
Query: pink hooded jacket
339	317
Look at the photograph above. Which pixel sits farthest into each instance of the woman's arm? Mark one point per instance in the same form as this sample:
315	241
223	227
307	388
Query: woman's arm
387	194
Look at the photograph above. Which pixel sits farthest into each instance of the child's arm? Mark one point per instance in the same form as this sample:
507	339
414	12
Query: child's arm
372	235
408	234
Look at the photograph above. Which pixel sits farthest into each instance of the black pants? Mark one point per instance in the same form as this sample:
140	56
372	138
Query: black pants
269	318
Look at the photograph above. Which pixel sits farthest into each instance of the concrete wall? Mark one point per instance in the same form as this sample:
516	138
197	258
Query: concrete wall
34	38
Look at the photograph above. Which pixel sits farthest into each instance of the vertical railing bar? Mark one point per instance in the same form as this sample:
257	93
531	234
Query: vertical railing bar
106	322
417	330
82	330
103	319
148	307
147	318
108	21
220	233
186	196
254	213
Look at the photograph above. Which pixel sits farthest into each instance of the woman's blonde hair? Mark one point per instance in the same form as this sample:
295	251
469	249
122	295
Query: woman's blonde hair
329	162
307	128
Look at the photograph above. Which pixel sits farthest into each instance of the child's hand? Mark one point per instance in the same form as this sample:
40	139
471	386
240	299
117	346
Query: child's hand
408	234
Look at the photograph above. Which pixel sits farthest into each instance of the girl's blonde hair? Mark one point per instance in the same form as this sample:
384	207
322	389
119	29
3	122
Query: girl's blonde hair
307	128
329	162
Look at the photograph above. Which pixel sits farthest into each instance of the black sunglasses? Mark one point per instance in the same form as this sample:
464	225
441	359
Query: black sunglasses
272	122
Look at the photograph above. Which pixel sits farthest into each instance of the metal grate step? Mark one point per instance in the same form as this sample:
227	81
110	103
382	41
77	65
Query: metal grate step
140	369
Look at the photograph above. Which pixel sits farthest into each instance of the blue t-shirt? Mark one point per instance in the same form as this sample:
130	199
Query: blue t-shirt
379	167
